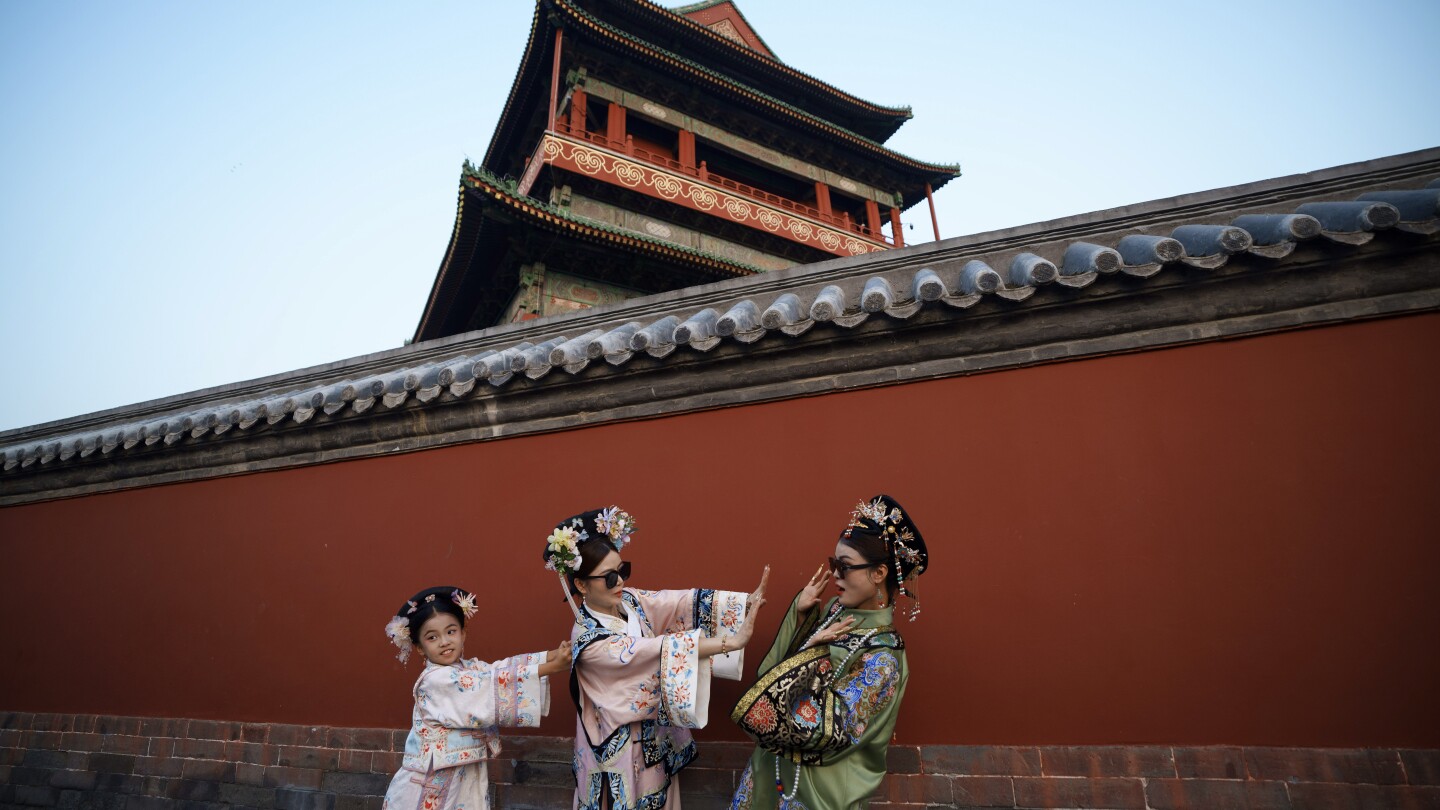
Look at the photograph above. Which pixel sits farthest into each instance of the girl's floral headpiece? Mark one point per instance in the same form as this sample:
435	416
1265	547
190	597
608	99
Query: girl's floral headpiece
398	628
562	547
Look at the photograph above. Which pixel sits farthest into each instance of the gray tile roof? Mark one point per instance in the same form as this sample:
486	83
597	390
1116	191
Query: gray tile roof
1260	224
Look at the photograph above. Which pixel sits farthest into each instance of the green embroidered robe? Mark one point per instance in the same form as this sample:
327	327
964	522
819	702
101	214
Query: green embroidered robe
837	734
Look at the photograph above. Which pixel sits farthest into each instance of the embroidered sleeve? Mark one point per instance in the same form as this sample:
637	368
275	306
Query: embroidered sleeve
477	695
867	689
684	685
725	617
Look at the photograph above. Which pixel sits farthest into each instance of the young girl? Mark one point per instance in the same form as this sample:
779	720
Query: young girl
824	707
460	703
643	661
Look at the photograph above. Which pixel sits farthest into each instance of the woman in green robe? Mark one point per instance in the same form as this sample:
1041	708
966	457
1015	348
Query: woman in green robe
824	707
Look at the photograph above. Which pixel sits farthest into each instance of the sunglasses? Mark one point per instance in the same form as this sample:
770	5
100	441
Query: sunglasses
612	578
840	569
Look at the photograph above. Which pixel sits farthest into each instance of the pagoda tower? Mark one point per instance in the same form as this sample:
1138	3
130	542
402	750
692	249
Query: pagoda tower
645	149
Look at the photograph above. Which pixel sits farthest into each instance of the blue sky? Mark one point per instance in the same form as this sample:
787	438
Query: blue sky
201	193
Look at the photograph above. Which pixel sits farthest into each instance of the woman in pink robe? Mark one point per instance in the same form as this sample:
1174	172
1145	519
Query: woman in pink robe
642	665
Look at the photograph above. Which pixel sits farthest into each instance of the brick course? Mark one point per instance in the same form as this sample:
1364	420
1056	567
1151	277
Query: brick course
132	763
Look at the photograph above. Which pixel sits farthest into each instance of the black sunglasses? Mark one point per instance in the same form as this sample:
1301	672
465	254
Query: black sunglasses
612	578
840	569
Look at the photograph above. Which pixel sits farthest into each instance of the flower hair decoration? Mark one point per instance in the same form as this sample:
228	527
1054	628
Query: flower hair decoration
563	548
399	632
617	524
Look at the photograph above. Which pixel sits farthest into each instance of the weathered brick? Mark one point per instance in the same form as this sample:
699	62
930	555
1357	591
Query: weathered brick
1215	794
45	721
248	774
359	784
37	758
200	749
197	790
74	780
35	796
1106	760
164	727
533	797
353	761
81	741
213	730
159	766
119	782
289	799
546	749
900	759
124	744
718	755
1211	762
112	763
388	762
983	791
12	756
979	760
105	724
254	753
292	756
299	778
521	772
1422	766
1345	765
365	739
25	775
283	734
209	770
16	720
10	738
703	781
248	795
919	789
1114	793
254	732
1335	796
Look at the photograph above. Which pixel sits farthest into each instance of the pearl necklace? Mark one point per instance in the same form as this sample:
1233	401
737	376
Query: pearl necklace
835	673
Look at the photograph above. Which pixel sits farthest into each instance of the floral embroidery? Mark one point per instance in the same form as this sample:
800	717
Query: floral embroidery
746	792
679	656
806	713
762	716
868	689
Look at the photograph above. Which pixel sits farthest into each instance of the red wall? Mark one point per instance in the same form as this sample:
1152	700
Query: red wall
1233	542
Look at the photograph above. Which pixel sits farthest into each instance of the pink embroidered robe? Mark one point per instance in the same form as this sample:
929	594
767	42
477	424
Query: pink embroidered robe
455	725
640	686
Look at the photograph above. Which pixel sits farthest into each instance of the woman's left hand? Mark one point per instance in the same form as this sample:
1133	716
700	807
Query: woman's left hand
757	596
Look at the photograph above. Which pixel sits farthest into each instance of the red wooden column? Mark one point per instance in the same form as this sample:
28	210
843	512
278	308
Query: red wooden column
822	198
687	149
933	221
895	227
578	104
615	126
872	216
555	81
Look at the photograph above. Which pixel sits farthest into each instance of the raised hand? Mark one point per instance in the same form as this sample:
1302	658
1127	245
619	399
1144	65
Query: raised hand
757	596
833	632
810	594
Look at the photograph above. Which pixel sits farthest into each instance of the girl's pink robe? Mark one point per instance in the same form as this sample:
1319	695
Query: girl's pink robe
458	712
640	686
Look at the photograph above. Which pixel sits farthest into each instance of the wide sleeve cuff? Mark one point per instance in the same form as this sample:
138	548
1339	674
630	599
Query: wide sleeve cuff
684	683
729	614
522	696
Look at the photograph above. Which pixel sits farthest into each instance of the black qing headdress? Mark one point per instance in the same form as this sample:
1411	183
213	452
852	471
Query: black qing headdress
882	517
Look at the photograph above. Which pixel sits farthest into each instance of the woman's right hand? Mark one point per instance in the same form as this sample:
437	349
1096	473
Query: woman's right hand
810	594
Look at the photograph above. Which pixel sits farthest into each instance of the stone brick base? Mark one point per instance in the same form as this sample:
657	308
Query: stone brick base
134	763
